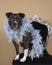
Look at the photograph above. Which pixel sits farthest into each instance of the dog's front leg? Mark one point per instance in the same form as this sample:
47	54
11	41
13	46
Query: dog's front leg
25	56
25	41
17	50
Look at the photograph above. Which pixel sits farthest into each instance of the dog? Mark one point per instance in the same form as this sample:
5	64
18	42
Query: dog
16	34
32	35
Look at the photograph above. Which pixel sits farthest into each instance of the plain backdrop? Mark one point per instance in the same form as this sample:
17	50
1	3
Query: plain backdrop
42	8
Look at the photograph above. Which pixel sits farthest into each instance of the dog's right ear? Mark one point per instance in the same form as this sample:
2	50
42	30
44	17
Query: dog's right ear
8	14
22	15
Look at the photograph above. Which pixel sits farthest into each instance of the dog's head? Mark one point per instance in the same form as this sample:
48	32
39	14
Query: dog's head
15	19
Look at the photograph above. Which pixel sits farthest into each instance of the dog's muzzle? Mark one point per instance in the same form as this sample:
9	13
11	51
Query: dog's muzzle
15	25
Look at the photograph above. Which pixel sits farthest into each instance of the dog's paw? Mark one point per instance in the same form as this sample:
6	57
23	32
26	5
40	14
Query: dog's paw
17	57
23	59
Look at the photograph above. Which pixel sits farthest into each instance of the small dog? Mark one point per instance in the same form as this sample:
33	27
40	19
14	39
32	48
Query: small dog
32	35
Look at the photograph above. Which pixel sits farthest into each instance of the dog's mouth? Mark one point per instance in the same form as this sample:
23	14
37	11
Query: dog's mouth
15	27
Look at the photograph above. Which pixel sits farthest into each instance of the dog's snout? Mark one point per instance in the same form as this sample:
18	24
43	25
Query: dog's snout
15	23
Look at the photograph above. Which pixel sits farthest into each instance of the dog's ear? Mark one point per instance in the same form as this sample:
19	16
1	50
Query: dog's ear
8	14
22	15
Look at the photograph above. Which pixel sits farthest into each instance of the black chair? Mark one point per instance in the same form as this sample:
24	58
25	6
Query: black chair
45	60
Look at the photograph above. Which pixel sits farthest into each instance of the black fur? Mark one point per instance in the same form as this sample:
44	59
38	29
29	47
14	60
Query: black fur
8	14
43	30
22	15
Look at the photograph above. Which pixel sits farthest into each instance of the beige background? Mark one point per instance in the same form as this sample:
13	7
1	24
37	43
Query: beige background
43	8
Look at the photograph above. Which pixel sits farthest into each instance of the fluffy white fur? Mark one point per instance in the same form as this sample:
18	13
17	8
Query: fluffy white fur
37	48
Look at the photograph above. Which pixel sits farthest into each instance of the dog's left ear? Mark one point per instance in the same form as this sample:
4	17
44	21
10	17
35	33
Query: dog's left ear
22	15
8	14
